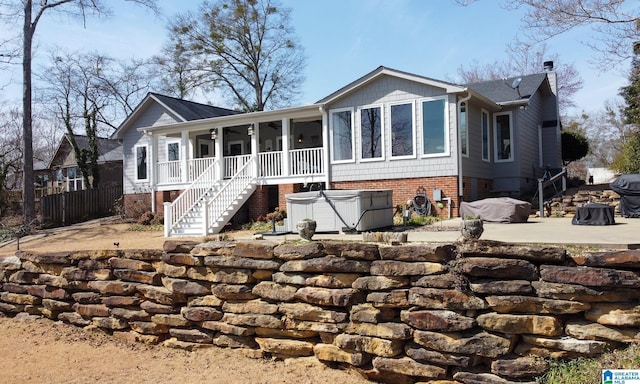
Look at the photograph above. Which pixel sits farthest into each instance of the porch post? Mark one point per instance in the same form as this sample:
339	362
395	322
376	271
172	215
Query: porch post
219	153
285	147
326	153
153	169
185	151
255	139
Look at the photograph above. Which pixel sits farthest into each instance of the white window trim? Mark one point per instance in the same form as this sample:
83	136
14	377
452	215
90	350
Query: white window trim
166	147
466	120
413	131
495	137
382	133
135	162
353	129
488	154
447	128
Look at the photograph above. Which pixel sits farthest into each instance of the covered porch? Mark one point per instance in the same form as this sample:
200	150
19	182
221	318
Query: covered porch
283	149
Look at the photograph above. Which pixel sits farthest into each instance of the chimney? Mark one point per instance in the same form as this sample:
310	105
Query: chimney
548	66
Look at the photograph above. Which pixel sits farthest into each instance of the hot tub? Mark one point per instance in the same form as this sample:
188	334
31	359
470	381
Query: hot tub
341	210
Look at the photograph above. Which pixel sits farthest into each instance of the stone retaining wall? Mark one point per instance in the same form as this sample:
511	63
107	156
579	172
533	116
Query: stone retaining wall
477	312
567	205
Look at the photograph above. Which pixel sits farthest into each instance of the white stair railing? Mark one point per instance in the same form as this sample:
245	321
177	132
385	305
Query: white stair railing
230	193
188	199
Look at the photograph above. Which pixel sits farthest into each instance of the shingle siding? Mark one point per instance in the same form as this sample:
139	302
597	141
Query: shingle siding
154	115
385	91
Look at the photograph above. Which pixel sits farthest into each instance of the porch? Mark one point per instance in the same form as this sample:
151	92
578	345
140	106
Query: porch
275	167
218	165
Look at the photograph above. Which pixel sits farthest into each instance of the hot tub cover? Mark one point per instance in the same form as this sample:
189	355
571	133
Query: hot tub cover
498	210
628	187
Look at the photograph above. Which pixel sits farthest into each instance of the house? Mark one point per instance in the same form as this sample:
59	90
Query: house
386	130
62	174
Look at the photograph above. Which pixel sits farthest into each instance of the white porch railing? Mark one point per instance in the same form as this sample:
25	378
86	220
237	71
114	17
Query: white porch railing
198	166
169	172
302	162
306	162
233	164
184	203
229	193
270	164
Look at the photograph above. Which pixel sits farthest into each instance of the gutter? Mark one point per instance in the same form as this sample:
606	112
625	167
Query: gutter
460	182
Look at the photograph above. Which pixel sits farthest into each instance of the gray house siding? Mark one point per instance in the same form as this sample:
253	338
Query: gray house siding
473	165
383	92
152	116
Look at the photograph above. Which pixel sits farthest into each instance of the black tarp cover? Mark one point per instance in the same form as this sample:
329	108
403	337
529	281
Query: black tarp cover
628	187
497	210
594	214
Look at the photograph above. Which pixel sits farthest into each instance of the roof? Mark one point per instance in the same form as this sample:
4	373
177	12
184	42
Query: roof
108	149
183	110
190	110
505	91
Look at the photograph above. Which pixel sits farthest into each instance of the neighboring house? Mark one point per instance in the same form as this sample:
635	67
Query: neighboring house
63	174
386	130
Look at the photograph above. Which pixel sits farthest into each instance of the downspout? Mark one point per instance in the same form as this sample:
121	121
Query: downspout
325	144
460	180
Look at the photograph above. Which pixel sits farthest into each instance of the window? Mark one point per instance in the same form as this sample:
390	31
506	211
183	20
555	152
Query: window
434	127
402	137
75	181
464	130
173	151
485	135
141	162
342	135
503	136
371	133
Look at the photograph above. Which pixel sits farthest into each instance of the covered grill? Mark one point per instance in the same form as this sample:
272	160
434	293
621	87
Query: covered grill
628	187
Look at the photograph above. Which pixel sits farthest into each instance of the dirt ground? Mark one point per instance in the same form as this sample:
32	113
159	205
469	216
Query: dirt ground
43	351
108	233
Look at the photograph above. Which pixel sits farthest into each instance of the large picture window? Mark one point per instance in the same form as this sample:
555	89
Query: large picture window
371	133
485	135
141	162
503	134
342	135
402	136
434	127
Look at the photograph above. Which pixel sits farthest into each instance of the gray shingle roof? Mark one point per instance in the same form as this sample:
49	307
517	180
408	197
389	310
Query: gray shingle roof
501	91
190	110
109	149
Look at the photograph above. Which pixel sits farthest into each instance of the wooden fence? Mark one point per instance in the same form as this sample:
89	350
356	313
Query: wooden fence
74	207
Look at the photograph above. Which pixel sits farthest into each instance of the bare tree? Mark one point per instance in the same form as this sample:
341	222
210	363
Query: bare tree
247	47
31	13
178	71
615	24
526	61
91	93
10	153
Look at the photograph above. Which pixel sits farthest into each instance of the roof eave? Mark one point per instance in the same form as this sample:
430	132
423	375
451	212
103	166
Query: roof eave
239	119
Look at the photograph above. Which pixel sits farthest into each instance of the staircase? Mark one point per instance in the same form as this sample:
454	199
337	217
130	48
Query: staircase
208	204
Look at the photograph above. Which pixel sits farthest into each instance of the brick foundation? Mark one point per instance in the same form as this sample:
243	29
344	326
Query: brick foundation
406	189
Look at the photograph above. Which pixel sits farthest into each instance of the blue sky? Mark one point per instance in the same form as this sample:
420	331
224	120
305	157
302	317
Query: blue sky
345	39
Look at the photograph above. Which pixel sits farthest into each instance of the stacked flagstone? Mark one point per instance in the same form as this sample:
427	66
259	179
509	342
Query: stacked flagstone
476	312
568	204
